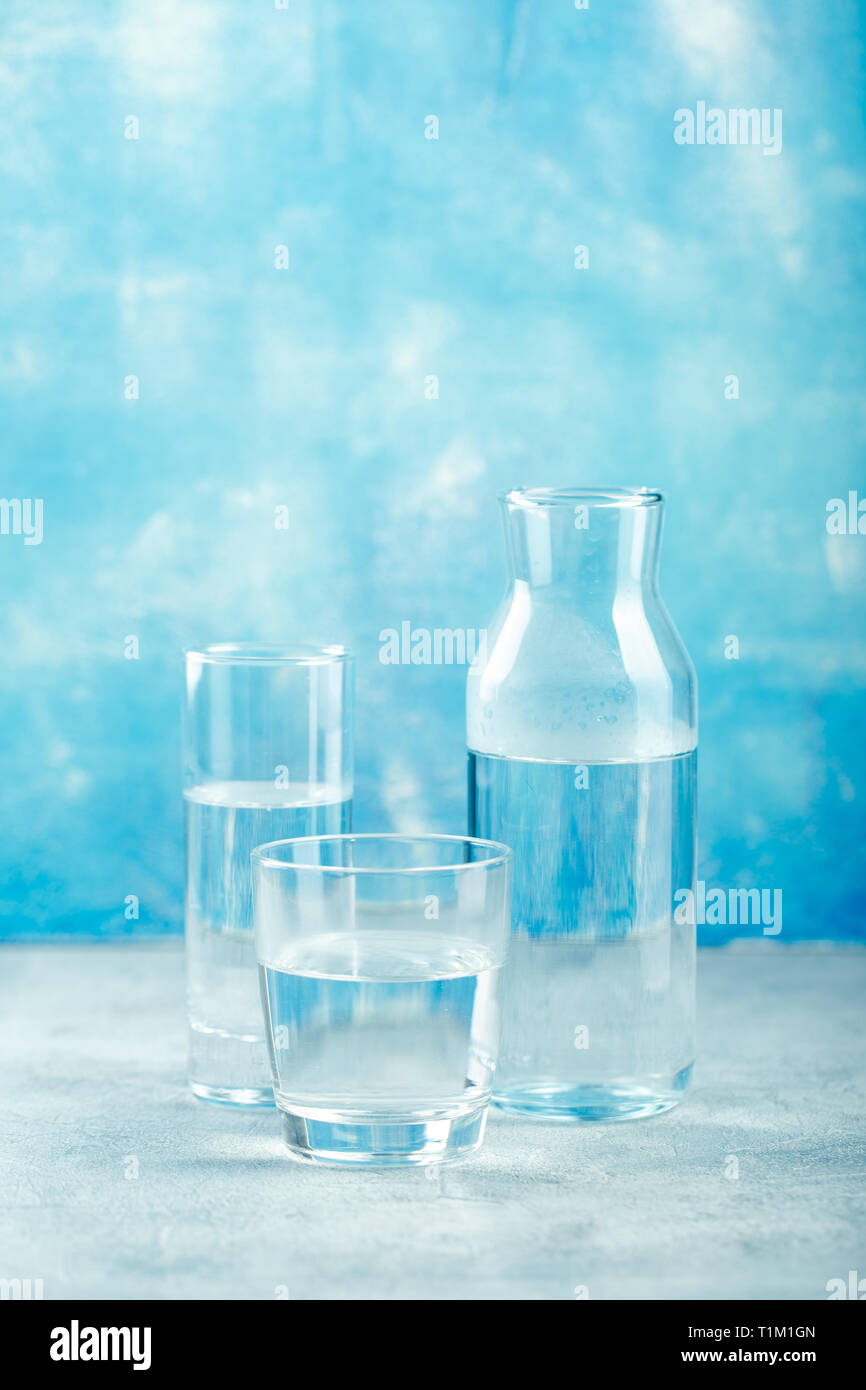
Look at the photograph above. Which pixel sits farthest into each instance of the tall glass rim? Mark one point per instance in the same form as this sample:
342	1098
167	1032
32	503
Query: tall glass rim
499	856
267	654
623	497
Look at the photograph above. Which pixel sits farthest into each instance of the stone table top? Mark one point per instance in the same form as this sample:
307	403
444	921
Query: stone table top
117	1183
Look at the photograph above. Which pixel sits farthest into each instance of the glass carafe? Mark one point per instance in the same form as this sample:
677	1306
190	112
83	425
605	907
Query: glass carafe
582	738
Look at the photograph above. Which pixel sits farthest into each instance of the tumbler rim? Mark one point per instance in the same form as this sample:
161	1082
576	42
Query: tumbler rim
500	856
268	654
582	496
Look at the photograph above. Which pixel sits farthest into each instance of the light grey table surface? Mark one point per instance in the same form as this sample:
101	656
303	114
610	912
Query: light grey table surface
93	1042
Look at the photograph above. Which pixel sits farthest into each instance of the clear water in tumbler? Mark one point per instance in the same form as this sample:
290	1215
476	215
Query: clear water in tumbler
598	993
224	821
381	1034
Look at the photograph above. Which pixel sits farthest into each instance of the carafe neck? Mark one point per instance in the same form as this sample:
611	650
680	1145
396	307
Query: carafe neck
587	546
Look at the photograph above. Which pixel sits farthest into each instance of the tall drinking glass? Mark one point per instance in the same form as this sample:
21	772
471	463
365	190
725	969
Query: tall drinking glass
267	752
380	958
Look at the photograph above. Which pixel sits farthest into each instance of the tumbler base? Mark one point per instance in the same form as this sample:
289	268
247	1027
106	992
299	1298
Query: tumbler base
332	1137
616	1101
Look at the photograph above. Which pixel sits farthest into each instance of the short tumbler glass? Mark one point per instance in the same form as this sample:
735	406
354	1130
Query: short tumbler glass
380	959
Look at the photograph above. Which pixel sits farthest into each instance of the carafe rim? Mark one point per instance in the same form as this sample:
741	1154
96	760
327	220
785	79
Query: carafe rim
624	497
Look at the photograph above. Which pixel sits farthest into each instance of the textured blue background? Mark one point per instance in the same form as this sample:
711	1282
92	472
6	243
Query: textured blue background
305	127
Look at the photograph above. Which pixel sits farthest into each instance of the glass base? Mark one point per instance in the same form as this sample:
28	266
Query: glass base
587	1104
329	1136
233	1095
228	1068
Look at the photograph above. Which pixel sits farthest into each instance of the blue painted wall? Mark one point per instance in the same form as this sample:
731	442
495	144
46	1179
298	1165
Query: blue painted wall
306	127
